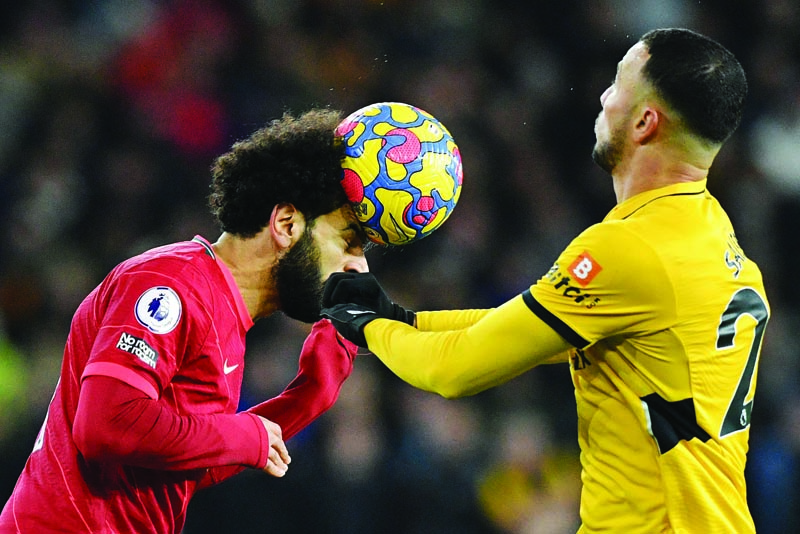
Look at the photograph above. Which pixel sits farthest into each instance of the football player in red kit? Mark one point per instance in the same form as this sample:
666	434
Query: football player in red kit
145	411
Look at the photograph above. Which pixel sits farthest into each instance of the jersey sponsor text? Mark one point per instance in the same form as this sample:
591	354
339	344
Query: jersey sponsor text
139	348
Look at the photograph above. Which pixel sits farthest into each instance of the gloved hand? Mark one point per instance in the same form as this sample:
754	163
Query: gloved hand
349	320
364	290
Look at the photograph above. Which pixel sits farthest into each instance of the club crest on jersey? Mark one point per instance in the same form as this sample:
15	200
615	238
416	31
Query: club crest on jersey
734	256
159	309
584	269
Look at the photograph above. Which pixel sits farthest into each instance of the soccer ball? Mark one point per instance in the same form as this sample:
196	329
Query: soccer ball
402	171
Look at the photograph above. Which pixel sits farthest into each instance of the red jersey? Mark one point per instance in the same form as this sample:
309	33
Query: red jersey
171	323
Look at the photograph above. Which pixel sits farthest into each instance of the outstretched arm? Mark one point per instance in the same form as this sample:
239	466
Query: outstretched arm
442	320
439	321
326	361
503	344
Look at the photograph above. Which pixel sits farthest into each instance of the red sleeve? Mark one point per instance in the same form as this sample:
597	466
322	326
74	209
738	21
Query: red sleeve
326	361
134	347
116	422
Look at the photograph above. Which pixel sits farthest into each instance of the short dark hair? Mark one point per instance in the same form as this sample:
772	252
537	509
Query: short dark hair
293	159
699	78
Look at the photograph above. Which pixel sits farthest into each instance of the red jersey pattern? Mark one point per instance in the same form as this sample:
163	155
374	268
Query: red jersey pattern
171	323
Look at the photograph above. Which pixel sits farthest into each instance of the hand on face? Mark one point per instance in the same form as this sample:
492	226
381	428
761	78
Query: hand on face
351	300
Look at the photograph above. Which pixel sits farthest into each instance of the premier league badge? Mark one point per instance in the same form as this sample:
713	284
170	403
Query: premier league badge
159	309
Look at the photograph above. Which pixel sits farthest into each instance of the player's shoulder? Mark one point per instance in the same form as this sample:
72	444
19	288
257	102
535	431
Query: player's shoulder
616	247
614	236
187	263
181	252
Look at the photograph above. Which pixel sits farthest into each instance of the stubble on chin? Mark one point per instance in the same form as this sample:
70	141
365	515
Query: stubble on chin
299	281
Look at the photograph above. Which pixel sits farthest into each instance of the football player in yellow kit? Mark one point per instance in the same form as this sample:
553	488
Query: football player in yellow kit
657	309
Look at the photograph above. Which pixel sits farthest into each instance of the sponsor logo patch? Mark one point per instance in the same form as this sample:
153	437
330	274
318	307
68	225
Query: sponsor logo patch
159	309
584	269
139	348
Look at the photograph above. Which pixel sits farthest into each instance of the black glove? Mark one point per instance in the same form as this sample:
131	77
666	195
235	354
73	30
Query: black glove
349	320
364	290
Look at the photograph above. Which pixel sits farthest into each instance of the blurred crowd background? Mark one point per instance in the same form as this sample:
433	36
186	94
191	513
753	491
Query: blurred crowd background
111	112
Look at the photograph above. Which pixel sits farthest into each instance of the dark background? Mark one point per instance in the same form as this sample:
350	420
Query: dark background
111	113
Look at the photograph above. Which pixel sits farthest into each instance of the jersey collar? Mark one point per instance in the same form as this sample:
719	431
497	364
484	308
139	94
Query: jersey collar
626	208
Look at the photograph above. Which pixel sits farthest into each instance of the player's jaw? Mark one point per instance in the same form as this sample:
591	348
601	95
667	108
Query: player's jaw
298	279
607	153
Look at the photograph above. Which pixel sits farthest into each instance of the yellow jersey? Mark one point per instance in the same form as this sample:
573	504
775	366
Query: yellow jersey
667	315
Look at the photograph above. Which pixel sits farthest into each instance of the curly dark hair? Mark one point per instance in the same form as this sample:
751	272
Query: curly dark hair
293	159
699	78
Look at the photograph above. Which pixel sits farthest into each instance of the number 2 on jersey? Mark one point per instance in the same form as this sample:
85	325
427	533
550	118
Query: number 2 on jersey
744	302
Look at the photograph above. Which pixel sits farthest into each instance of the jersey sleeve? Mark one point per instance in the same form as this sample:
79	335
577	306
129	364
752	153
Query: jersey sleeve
442	320
117	423
325	362
504	343
149	318
606	282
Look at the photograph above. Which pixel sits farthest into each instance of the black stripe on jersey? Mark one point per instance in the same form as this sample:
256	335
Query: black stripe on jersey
664	196
553	322
672	422
209	250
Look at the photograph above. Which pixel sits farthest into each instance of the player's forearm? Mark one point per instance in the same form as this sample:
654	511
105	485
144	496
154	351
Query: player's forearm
302	402
324	364
503	344
116	423
306	398
440	321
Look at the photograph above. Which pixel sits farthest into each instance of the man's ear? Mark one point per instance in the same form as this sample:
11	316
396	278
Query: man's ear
286	225
646	127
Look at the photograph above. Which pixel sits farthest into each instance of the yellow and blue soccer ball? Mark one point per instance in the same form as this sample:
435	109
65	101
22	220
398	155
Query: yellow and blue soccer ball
402	171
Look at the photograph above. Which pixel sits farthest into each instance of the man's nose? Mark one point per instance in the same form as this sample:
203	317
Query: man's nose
357	264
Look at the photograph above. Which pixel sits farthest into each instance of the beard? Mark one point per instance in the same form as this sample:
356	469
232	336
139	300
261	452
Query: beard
607	155
298	278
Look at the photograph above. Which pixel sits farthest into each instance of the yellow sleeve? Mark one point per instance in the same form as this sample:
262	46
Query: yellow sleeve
504	343
439	321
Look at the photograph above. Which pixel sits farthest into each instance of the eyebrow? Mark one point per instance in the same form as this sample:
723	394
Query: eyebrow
366	243
358	230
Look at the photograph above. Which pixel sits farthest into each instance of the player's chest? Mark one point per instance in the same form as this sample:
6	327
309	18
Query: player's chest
211	379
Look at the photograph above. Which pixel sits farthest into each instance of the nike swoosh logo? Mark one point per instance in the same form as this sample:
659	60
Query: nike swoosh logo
359	312
228	369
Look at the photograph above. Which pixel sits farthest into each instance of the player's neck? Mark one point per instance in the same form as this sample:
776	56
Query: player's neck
250	261
649	170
